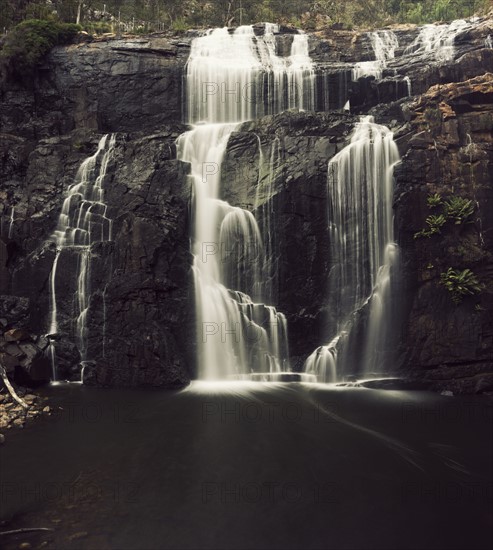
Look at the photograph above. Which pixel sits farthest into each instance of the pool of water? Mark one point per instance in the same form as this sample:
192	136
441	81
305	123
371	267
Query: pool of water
251	465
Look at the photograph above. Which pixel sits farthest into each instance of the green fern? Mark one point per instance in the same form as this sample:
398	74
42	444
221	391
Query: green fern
434	200
460	283
434	223
459	209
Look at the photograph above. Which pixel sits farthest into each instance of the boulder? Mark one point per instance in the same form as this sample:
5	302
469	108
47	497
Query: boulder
16	335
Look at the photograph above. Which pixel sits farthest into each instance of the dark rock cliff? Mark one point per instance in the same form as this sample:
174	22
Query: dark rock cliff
450	153
140	318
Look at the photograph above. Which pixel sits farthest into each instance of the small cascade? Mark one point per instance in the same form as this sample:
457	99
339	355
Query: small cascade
235	77
488	42
360	188
322	363
378	326
7	230
53	328
82	222
407	80
242	251
438	39
268	173
384	44
472	151
11	224
301	75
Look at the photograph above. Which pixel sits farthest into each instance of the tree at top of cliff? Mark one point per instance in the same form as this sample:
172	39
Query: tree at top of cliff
29	42
180	14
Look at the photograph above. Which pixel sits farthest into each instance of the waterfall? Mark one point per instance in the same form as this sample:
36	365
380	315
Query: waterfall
11	223
82	222
269	168
235	335
360	188
322	363
235	77
438	39
407	80
232	78
384	44
301	75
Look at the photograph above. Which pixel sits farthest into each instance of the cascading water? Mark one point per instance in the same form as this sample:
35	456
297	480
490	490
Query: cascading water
82	222
407	80
11	224
268	172
438	39
238	76
9	230
232	78
384	44
360	187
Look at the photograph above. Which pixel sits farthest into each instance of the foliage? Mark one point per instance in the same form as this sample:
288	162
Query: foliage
181	14
455	208
36	10
434	223
429	11
459	209
97	27
460	283
30	41
433	200
179	25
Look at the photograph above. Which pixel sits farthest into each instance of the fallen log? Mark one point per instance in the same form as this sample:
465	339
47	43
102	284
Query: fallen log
11	390
25	530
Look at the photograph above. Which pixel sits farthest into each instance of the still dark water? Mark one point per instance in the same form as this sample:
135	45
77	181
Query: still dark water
252	466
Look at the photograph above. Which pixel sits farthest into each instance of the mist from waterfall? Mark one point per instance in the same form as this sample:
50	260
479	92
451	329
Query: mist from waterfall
360	189
83	221
233	77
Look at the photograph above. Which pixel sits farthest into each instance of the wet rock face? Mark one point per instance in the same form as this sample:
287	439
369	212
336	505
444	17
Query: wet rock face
277	168
450	153
142	324
139	314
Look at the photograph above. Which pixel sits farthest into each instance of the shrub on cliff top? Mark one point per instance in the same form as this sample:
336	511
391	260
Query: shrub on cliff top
25	46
